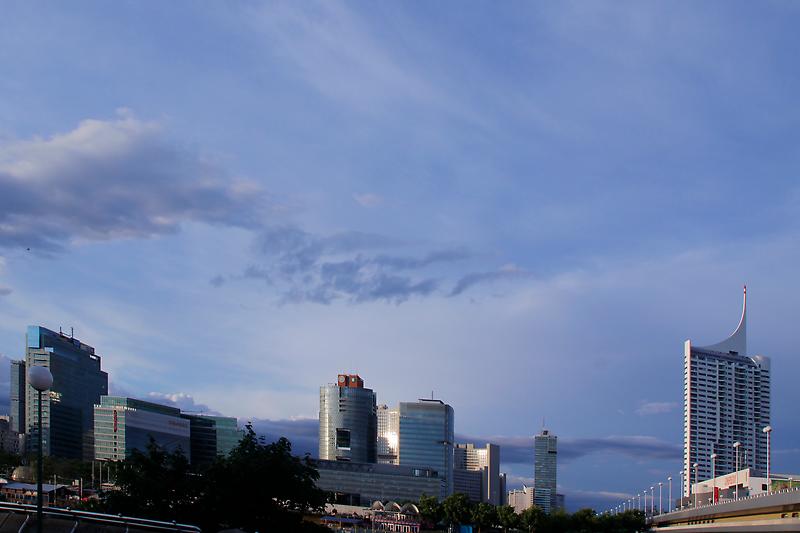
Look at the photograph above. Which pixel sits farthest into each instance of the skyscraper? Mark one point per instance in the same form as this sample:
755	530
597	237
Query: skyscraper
212	436
544	470
425	438
485	460
68	407
16	416
726	400
347	421
388	434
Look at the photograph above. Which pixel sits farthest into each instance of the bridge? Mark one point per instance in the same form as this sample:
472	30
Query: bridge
776	512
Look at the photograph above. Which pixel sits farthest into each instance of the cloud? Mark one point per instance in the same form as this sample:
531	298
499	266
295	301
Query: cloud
181	400
303	433
656	408
350	266
368	199
111	179
519	450
507	272
217	281
5	291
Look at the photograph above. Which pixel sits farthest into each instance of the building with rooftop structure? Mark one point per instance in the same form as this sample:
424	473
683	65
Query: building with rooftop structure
726	407
68	407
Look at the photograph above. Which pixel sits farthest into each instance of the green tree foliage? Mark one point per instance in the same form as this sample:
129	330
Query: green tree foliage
484	515
508	518
258	487
457	509
430	509
532	518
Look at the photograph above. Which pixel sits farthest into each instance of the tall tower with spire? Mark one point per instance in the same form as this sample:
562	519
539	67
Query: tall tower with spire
726	400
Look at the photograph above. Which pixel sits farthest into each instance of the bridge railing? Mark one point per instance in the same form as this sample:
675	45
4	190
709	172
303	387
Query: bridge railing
99	518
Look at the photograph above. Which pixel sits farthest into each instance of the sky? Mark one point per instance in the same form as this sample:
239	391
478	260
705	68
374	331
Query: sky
521	208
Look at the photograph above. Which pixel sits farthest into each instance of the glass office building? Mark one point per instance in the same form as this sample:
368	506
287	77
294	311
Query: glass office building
347	421
388	434
212	436
544	470
363	483
122	425
425	439
68	407
16	415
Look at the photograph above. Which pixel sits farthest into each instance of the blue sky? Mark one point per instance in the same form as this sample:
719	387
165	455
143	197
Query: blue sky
524	207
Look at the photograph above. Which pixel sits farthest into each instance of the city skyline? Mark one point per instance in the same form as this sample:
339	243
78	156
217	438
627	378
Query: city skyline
526	209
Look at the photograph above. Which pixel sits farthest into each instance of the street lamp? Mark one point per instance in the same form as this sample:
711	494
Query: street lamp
713	473
669	502
659	497
682	487
768	430
652	502
736	446
695	465
40	378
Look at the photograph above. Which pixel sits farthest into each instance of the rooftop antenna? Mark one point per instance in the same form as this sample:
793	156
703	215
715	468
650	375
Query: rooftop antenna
542	423
71	332
431	394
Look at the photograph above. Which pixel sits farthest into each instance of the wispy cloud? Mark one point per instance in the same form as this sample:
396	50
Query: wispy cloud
181	400
507	272
110	179
368	199
351	266
656	408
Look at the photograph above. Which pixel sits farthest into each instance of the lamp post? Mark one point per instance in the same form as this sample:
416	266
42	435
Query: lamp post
736	446
682	488
659	498
714	479
40	378
669	502
768	430
695	465
652	501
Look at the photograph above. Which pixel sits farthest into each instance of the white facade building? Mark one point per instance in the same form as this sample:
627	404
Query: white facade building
521	499
726	401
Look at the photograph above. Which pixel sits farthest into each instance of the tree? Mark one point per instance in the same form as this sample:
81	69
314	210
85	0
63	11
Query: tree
258	487
155	484
262	487
430	509
457	509
532	518
508	518
484	515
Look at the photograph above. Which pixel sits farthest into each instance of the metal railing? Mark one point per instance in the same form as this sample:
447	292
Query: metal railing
88	517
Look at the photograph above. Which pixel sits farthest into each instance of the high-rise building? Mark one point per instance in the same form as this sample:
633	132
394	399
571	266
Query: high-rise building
16	415
388	434
545	469
347	421
212	436
122	425
726	401
520	499
68	407
485	460
425	438
362	484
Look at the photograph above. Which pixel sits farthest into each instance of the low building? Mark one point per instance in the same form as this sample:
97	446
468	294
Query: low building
212	436
362	483
750	482
16	492
393	517
122	425
521	499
